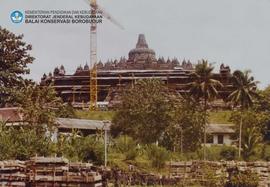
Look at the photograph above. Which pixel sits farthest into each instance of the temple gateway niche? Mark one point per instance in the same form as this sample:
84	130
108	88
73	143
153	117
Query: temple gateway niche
118	73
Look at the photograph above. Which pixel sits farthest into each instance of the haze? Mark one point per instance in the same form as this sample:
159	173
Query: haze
233	32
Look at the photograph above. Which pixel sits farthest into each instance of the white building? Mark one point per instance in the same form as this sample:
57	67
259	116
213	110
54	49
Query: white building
220	134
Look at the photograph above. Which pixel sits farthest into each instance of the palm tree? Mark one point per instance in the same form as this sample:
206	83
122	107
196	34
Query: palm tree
251	140
204	88
242	95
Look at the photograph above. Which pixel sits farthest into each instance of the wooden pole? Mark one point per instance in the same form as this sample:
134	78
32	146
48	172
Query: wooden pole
181	140
240	135
105	147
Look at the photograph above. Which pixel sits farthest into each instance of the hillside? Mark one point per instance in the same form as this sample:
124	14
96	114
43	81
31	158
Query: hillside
219	117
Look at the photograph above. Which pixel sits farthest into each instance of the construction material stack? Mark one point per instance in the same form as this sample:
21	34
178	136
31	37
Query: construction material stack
12	173
57	171
82	172
48	171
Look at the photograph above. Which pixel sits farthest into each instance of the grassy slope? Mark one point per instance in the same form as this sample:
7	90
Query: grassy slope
94	115
215	116
220	117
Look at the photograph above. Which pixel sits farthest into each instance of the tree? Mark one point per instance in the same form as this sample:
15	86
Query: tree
252	135
14	58
242	96
145	111
149	112
204	88
185	132
262	100
40	106
262	104
65	110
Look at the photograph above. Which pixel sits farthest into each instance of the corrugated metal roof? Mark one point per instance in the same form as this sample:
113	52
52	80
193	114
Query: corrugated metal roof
220	129
83	124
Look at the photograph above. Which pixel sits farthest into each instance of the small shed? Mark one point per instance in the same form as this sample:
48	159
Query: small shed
220	134
85	126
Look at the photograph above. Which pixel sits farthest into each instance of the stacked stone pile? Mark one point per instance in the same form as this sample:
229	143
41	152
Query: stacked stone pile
12	173
200	171
52	171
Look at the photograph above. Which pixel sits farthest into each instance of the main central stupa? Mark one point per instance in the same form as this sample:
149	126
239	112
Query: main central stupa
142	58
141	53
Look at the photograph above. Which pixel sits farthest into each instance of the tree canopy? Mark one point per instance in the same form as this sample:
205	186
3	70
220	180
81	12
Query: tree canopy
40	105
254	123
245	89
204	86
14	58
150	112
144	112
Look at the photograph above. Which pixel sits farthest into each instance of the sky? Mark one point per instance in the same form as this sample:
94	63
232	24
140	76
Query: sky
233	32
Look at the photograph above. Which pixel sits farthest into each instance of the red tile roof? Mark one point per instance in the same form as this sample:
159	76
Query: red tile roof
10	115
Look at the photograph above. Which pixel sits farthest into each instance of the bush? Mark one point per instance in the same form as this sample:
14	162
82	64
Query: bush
266	152
90	149
216	153
21	144
131	154
228	153
127	146
212	153
157	155
192	156
124	143
245	179
212	179
86	149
